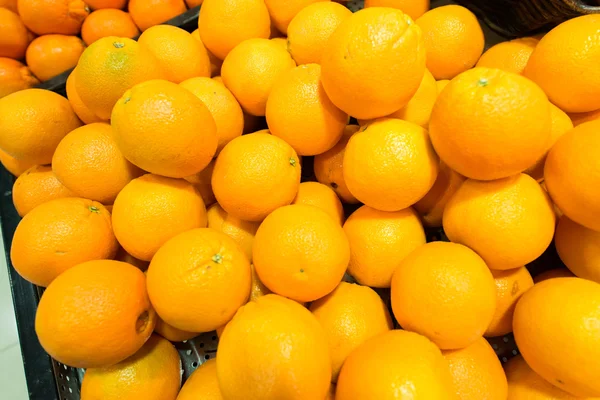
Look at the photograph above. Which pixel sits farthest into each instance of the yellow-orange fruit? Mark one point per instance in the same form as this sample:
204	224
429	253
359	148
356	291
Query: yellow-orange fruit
36	186
553	273
414	8
108	22
51	55
282	12
15	36
242	232
15	76
82	111
53	16
321	196
418	109
202	384
148	13
171	333
579	248
202	183
511	56
14	166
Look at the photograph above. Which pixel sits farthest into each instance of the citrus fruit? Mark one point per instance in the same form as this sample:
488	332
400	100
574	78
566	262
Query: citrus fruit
193	3
413	8
14	76
510	56
282	12
14	166
215	63
553	273
124	256
580	118
202	384
147	13
258	288
99	4
36	186
242	232
321	196
171	333
418	109
51	55
202	183
108	22
441	84
15	37
82	111
53	16
579	248
9	4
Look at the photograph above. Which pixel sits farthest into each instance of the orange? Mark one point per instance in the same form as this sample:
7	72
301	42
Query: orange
511	56
215	63
537	331
413	8
281	42
446	292
300	252
51	55
258	288
477	372
152	373
373	63
152	209
108	22
202	384
14	166
252	344
171	333
36	186
223	107
329	170
254	175
508	222
453	39
299	112
242	232
114	316
110	67
580	118
579	248
14	76
309	31
282	12
406	166
490	124
147	13
250	71
510	286
193	3
572	175
179	141
99	4
553	273
53	16
202	183
321	196
33	122
393	365
224	24
82	111
441	85
15	37
198	280
180	55
88	162
350	315
379	241
418	109
124	256
9	4
568	54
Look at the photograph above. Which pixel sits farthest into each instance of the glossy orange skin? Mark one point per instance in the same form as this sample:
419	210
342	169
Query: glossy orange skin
83	112
511	56
418	109
108	22
282	12
51	55
202	183
36	186
242	232
14	166
53	16
15	36
171	333
15	76
318	195
147	13
215	63
203	383
579	248
414	8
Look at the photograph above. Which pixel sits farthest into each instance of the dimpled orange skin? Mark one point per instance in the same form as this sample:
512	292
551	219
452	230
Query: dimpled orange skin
171	333
537	330
553	273
321	196
252	344
445	292
489	124
254	175
282	12
215	63
373	63
224	24
202	183
300	252
14	166
511	56
82	111
379	241
413	8
299	112
202	384
148	13
53	16
152	209
418	109
108	22
178	133
242	232
390	164
250	71
36	186
51	55
59	234
572	175
15	37
15	76
579	248
568	54
258	288
115	322
393	365
350	315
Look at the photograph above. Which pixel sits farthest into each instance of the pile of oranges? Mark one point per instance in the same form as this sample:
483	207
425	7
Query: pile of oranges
155	208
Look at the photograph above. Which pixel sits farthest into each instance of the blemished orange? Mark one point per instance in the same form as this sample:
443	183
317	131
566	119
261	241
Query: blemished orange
282	12
215	63
311	28
179	55
580	118
572	175
300	252
258	288
446	292
202	183
224	108
242	232
477	372
579	248
379	241
152	209
50	55
224	24
198	279
511	56
15	76
14	166
53	16
537	331
321	196
553	273
178	142
567	54
251	344
9	4
89	163
153	373
328	166
299	111
36	186
490	124
147	13
202	384
250	71
254	175
108	22
413	8
418	109
33	122
508	222
383	74
171	333
15	37
100	4
350	315
115	316
453	39
405	171
82	111
108	68
441	85
393	361
510	286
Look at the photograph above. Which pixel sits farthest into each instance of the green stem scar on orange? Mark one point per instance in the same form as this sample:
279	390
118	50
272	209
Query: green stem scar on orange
217	258
483	82
94	209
